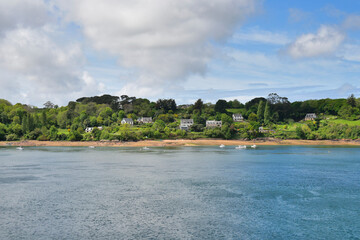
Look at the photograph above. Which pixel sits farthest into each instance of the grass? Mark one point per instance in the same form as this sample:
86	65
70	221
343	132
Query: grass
343	121
288	127
63	131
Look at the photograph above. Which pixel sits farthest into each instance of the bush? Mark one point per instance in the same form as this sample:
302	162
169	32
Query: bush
43	137
2	132
12	137
33	135
75	136
105	135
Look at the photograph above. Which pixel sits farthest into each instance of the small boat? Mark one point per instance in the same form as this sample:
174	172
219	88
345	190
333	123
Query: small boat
241	147
145	148
253	146
91	146
20	148
222	146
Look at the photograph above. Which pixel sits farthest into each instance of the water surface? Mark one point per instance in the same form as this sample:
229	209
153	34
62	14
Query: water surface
272	192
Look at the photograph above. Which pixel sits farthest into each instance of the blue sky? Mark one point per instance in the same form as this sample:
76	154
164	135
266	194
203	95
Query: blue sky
230	49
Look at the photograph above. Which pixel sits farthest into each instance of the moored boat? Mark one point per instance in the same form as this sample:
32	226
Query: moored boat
240	147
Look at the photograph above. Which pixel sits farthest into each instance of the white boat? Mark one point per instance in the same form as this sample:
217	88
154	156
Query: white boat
222	146
91	146
253	146
146	148
241	147
20	148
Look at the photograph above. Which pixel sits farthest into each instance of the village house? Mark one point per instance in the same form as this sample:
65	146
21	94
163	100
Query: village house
213	124
128	121
185	124
89	129
237	117
184	106
310	117
145	120
262	130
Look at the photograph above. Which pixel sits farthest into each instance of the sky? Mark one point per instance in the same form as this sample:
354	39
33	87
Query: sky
61	50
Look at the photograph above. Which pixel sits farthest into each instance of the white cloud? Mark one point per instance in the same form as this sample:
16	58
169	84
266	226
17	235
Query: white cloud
257	35
350	52
163	40
33	54
22	13
352	22
297	15
36	65
326	41
332	11
33	65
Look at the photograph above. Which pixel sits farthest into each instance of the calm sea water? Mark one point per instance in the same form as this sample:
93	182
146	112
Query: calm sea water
180	193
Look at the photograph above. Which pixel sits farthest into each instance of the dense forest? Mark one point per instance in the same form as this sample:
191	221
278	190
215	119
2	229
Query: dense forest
273	116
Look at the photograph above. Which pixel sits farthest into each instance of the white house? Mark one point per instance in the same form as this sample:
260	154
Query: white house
213	123
310	117
128	121
185	124
89	129
263	130
145	120
237	117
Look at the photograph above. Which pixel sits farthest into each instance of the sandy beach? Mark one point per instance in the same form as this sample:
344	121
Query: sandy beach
180	142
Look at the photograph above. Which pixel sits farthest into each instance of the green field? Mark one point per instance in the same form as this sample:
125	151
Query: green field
63	131
343	121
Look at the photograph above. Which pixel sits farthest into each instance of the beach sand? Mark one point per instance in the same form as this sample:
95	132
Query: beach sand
179	142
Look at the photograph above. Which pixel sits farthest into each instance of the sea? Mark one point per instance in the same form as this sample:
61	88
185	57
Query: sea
271	192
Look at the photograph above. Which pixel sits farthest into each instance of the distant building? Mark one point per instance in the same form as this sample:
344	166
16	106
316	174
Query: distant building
89	129
213	124
128	121
237	117
310	117
184	106
185	124
145	120
262	130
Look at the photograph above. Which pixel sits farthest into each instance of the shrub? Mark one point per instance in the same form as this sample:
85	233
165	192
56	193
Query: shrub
12	137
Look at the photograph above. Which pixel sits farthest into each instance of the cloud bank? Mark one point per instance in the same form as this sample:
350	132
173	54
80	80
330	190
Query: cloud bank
33	63
22	13
163	40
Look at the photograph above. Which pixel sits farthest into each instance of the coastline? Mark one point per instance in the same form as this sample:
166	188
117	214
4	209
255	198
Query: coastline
180	142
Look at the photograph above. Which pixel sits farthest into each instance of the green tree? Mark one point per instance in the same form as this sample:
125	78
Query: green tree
221	106
121	114
351	100
267	114
253	117
226	118
2	132
199	105
237	104
53	133
44	118
75	136
260	111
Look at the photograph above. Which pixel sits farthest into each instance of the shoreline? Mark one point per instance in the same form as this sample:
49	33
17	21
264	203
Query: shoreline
181	142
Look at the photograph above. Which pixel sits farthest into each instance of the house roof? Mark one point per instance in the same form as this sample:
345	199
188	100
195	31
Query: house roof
127	119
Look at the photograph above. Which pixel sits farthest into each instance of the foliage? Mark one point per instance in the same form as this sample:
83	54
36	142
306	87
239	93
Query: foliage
221	106
337	118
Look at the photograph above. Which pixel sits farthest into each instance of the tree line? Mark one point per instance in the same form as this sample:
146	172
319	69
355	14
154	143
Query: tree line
51	122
